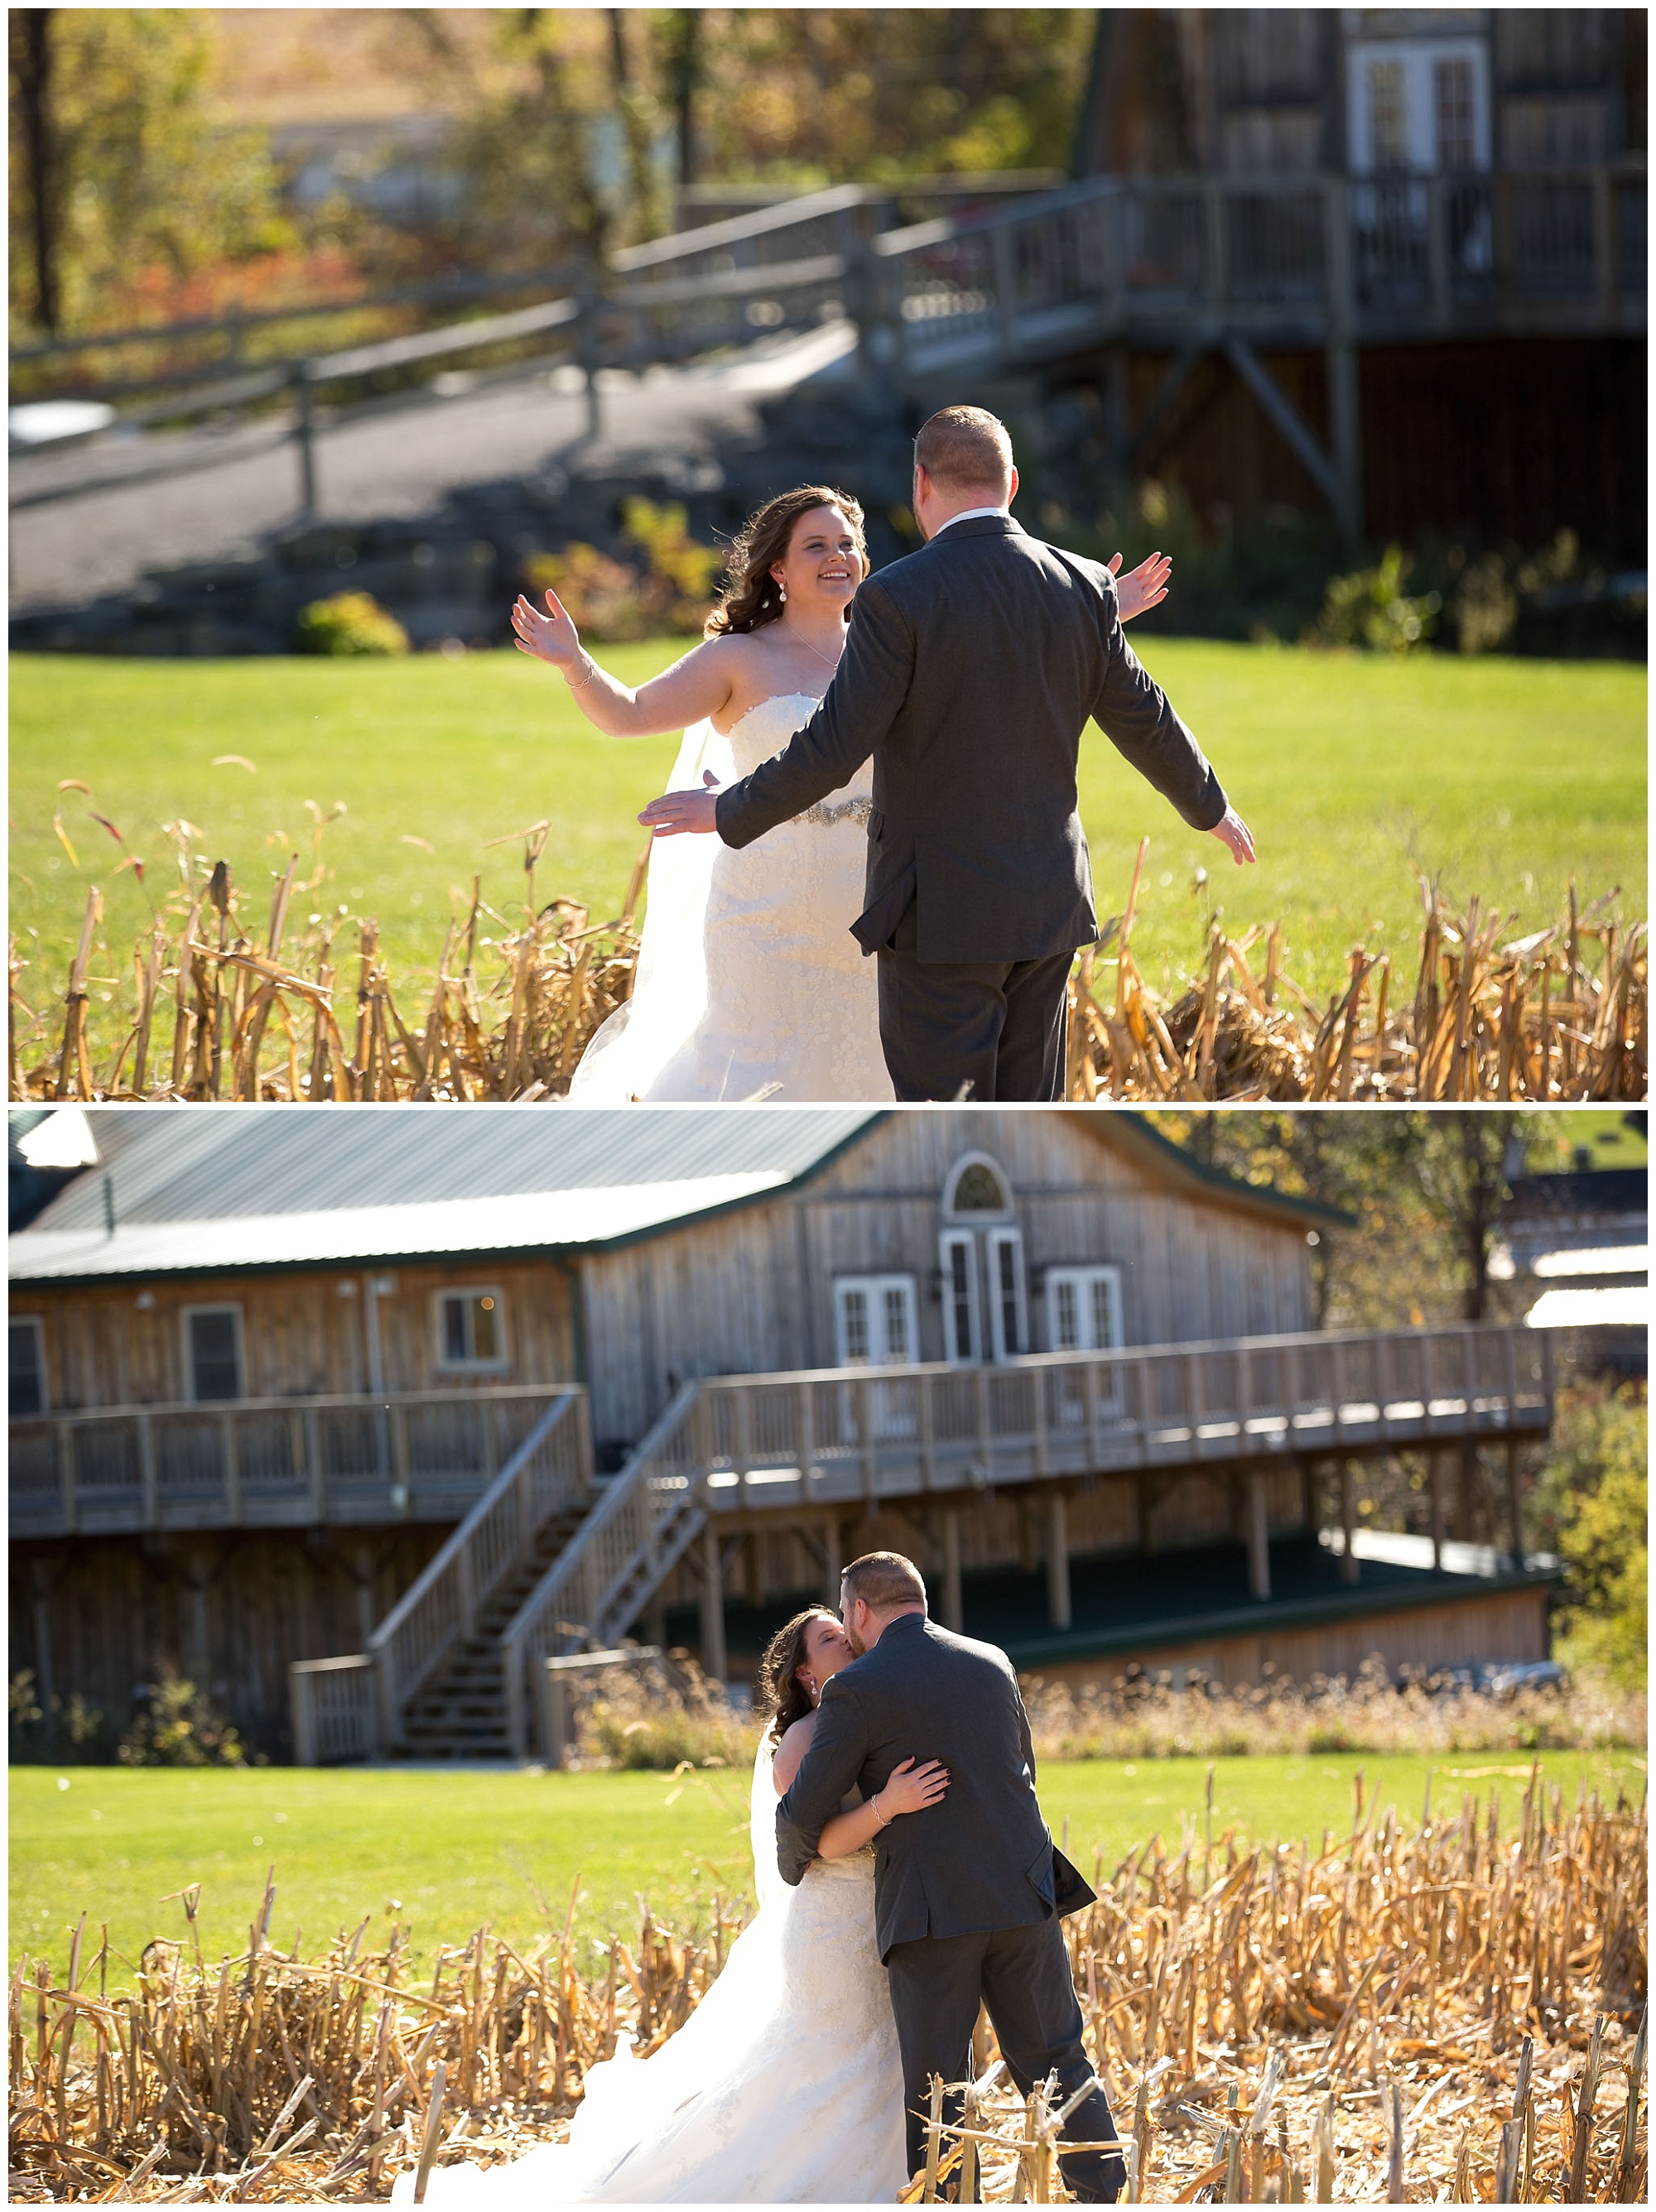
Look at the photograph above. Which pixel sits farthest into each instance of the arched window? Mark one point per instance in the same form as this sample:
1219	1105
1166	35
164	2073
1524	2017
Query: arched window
975	1188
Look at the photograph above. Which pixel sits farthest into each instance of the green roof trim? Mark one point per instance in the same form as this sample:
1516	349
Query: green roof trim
1035	1652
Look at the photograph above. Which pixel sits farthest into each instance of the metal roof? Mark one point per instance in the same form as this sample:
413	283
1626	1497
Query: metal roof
203	1190
191	1188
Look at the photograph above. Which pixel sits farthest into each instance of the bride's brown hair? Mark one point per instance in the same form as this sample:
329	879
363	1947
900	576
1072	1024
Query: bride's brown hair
752	597
777	1689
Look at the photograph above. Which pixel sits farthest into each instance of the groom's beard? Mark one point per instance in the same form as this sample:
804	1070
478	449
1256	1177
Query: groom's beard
859	1649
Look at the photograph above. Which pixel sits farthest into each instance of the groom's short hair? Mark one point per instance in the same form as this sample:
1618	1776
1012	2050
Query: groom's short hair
883	1581
960	448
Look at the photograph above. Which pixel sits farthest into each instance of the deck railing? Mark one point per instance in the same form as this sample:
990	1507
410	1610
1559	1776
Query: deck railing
266	1462
832	1437
335	1713
1292	258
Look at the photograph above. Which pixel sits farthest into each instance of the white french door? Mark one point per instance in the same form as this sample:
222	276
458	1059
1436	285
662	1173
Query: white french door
985	1299
876	1324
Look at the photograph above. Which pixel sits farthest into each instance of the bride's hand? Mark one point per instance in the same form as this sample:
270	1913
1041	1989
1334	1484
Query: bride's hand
1141	587
685	813
549	637
911	1788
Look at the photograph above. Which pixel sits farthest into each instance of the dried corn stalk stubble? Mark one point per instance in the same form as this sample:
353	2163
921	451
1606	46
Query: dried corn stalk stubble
1560	1014
1452	2011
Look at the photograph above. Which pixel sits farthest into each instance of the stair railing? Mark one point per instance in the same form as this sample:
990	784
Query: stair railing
648	1515
551	1471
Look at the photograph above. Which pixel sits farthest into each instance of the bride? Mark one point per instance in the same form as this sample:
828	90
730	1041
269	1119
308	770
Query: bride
784	2085
748	980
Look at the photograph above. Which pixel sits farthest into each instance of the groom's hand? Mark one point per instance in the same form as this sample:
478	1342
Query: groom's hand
1141	587
1233	833
685	813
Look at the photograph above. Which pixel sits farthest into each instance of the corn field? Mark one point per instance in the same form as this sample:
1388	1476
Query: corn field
1451	2012
219	1007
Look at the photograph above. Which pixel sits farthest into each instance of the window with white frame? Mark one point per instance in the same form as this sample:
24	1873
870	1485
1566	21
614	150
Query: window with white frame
1008	1312
213	1363
1419	106
1083	1309
875	1320
470	1329
962	1340
976	1189
27	1385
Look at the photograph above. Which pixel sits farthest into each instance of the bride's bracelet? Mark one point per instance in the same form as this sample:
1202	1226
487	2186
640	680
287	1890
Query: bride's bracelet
587	678
882	1819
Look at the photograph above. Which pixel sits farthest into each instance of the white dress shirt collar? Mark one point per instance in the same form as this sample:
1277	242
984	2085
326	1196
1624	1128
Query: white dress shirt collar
971	514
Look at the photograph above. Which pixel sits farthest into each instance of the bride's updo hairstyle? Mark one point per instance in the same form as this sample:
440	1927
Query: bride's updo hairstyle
752	597
777	1689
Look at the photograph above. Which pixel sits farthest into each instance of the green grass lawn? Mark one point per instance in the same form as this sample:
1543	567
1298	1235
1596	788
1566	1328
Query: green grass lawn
1503	777
454	1851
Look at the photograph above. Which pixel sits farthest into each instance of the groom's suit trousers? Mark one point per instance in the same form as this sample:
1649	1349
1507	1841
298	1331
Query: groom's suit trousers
992	1031
1022	1975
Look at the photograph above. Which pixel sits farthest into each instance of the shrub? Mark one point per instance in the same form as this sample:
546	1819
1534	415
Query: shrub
1369	610
612	601
1592	1501
350	624
627	1720
181	1726
77	1732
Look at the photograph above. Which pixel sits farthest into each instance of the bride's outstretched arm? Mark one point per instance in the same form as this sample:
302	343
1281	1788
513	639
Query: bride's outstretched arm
697	686
910	1789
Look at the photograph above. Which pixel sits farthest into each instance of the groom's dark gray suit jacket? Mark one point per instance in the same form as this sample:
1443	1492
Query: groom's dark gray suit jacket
982	1859
970	669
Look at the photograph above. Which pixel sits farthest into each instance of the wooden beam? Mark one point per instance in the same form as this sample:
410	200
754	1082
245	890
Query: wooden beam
833	1560
1289	422
714	1661
954	1615
1258	1534
1514	1506
1059	1611
1350	1570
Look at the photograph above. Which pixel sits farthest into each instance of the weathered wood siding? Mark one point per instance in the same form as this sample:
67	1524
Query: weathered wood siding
303	1333
231	1612
752	1292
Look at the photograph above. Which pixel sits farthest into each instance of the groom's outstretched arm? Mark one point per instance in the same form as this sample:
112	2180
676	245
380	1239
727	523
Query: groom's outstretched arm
829	1769
1139	719
869	686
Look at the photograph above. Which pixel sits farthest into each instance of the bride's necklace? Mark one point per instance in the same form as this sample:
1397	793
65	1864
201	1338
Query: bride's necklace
822	657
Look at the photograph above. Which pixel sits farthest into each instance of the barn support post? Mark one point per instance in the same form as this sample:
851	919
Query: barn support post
1466	1490
1258	1534
714	1661
954	1613
40	1577
1307	1497
1344	367
1059	1608
1349	1569
1434	1489
833	1560
199	1576
1144	1513
1514	1507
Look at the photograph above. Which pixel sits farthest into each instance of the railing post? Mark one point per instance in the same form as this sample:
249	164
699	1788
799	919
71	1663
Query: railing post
1439	287
314	1465
1038	1384
713	1635
517	1730
805	1416
865	1414
1003	249
148	1487
399	1461
1142	1371
1344	372
304	1716
304	432
554	1714
1604	247
67	1477
232	1442
927	1434
742	1442
986	1434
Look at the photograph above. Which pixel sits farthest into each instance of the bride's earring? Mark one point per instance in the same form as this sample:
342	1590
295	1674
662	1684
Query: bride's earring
781	591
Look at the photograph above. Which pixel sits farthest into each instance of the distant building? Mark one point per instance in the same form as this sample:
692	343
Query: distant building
432	1397
1576	1246
1491	258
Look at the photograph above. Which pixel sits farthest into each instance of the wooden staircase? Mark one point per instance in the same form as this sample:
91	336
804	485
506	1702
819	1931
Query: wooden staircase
460	1712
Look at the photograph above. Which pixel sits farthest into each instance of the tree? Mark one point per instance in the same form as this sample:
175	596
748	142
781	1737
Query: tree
122	180
1592	1502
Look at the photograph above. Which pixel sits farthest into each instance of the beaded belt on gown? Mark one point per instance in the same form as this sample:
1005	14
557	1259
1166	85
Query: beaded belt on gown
825	814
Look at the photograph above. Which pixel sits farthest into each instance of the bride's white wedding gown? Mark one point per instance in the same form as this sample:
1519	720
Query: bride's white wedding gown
748	980
783	2087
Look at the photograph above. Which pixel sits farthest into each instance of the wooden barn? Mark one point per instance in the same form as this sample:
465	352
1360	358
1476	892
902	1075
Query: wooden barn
402	1403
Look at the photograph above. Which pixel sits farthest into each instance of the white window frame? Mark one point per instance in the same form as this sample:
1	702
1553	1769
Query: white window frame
1082	1281
957	1354
1418	58
952	1183
875	1289
472	1292
36	1322
995	1242
187	1315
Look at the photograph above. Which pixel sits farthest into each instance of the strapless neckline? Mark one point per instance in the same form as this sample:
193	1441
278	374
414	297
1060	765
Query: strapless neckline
776	698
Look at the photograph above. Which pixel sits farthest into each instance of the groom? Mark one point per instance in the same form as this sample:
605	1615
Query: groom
967	1894
970	669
